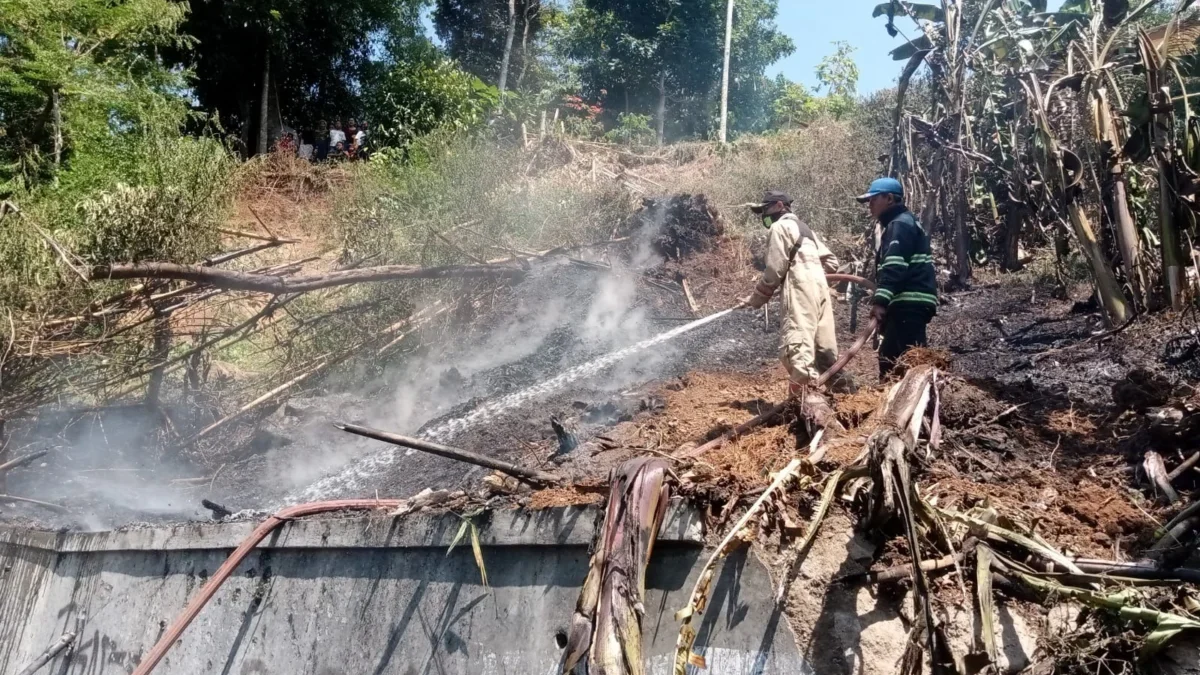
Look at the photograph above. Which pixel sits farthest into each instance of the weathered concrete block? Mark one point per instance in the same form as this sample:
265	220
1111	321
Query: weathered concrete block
364	595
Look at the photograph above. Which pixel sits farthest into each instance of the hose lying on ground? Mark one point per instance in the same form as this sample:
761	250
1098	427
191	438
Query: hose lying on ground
774	410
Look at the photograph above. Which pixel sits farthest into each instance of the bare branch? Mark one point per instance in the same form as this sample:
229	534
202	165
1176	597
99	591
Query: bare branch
278	285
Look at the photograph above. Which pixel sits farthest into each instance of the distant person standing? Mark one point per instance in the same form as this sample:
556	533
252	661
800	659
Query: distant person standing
321	141
797	261
352	137
360	140
336	135
906	285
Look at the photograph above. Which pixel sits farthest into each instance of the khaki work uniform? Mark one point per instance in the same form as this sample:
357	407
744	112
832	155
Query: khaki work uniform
808	344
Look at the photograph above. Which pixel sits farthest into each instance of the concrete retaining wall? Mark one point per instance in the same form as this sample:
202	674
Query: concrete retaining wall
350	596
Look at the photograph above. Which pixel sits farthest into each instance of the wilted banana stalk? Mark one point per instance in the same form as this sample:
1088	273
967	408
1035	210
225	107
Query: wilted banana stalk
894	495
606	628
741	533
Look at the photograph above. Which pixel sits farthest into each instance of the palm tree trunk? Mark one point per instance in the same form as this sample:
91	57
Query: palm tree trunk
264	105
725	72
1116	309
1014	221
1172	256
1127	238
962	236
661	113
508	43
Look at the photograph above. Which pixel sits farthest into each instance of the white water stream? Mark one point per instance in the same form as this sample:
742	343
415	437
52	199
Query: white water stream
354	474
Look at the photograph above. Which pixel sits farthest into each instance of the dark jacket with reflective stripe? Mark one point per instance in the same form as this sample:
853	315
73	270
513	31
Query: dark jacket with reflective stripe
904	264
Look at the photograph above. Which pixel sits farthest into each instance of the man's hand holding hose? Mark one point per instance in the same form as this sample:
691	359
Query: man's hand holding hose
757	299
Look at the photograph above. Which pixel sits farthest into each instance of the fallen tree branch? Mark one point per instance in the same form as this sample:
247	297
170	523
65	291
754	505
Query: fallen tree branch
222	258
1184	466
1156	471
529	255
897	572
440	450
691	301
259	237
1192	511
1144	570
279	285
250	406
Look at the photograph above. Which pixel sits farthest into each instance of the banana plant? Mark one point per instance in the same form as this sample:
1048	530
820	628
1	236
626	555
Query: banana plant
606	628
1065	171
1097	47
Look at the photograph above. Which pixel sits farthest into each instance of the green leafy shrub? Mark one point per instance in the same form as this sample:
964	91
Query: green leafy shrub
632	129
131	224
413	99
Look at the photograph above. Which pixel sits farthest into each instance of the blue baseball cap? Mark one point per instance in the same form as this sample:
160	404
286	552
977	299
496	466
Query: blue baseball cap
882	186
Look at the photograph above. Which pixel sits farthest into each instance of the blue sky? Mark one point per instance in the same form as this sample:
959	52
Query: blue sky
814	26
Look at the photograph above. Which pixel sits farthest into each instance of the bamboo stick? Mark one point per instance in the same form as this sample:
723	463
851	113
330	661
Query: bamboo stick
440	450
10	465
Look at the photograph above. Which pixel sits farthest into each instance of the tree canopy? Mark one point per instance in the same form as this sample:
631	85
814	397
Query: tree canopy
320	53
75	69
634	57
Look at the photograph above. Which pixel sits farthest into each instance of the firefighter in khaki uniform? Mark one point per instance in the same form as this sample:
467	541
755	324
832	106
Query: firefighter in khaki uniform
797	260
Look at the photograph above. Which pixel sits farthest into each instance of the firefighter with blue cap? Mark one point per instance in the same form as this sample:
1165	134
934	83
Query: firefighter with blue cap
905	297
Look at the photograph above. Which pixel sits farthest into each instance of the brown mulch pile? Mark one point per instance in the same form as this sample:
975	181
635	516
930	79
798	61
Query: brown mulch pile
1085	508
571	495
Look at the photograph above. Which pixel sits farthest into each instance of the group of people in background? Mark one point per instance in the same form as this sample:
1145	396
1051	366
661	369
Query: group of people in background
333	141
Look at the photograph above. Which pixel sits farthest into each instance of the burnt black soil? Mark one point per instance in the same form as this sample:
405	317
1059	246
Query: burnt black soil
1042	386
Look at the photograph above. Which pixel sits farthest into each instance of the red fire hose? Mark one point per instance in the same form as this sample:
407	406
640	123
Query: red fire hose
266	527
835	278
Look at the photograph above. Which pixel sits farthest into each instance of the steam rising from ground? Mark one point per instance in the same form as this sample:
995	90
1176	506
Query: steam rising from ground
565	324
446	431
613	322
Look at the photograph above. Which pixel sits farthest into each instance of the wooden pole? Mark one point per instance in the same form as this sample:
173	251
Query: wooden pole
451	453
